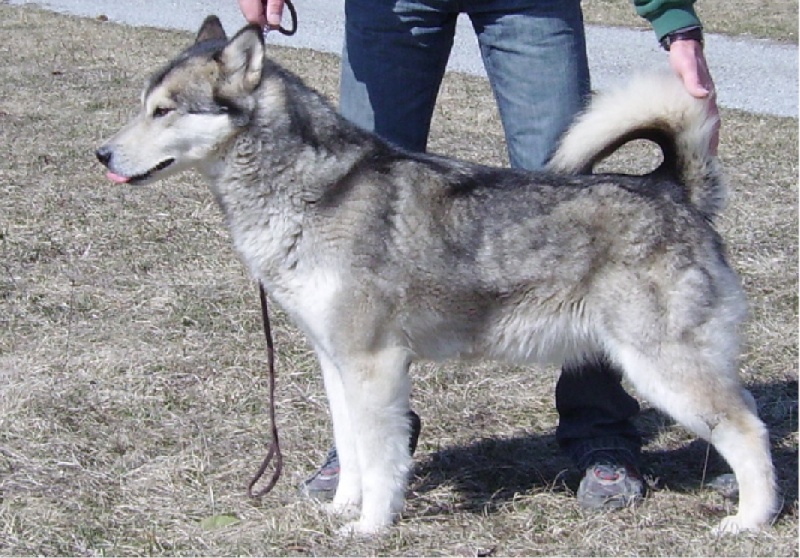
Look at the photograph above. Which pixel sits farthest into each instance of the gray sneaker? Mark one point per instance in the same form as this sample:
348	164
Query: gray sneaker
610	484
322	484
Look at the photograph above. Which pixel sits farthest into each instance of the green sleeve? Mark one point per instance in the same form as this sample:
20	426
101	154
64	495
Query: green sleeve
667	16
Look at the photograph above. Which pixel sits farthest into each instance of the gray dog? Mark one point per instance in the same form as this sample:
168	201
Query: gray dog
383	257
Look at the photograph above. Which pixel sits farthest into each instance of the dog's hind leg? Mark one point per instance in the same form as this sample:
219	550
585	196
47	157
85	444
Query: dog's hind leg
700	388
377	390
742	439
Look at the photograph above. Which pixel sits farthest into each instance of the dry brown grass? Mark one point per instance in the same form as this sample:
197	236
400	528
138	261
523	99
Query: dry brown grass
132	398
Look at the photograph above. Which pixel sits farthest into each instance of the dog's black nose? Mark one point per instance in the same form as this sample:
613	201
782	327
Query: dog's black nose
104	155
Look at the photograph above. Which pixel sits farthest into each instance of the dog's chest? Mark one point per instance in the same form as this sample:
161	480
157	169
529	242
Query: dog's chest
303	286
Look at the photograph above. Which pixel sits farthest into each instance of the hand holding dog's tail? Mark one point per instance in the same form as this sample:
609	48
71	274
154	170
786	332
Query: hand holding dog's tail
654	107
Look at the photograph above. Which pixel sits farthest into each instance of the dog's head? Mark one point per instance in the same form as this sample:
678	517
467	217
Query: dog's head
190	108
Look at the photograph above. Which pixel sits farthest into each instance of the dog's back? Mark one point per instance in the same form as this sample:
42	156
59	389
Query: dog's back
534	266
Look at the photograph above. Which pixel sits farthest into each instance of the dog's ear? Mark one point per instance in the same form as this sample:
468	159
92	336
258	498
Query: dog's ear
211	29
242	59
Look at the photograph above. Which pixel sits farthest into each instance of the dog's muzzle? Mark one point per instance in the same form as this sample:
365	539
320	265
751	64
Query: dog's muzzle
105	154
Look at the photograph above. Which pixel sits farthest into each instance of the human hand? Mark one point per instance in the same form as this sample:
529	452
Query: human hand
688	61
266	13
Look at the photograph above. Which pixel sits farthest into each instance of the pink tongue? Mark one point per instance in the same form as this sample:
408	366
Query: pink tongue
117	178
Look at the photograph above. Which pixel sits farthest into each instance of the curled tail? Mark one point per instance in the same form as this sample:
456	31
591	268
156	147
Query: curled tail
654	107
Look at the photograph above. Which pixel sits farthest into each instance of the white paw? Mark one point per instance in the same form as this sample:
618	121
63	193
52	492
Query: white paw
361	528
733	524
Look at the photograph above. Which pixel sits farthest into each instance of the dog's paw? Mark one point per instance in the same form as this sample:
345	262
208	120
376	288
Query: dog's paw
732	525
362	528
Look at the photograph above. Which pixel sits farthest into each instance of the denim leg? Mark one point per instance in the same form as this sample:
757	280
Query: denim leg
534	52
595	413
393	62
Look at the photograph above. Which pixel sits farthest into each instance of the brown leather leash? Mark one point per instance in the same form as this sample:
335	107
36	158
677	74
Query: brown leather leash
281	29
275	446
293	14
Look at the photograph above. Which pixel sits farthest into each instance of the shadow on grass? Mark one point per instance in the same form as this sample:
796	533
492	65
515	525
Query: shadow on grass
492	471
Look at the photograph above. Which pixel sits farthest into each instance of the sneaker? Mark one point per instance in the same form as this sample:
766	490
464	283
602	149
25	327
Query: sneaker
322	484
610	484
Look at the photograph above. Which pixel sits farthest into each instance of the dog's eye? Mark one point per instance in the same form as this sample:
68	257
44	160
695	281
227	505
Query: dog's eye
158	112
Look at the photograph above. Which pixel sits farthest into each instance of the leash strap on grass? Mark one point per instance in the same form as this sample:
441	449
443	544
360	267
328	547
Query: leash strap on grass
275	447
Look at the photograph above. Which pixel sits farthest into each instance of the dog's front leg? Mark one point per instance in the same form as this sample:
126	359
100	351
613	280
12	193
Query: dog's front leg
377	389
348	492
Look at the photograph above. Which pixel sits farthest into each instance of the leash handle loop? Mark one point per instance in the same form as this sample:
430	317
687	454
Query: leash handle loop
281	29
293	13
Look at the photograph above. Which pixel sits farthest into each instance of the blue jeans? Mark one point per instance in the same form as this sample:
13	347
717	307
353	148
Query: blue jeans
534	52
